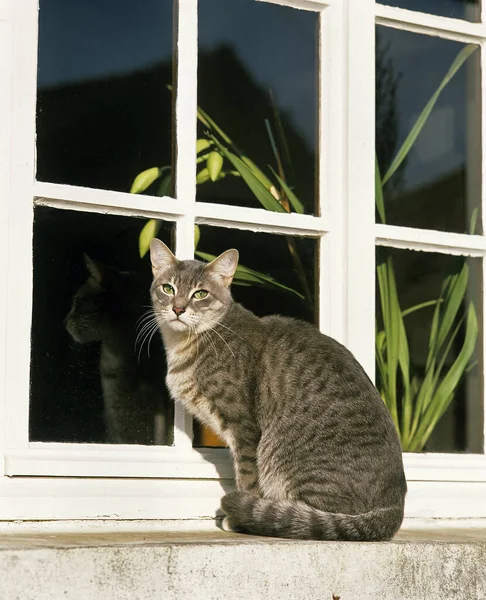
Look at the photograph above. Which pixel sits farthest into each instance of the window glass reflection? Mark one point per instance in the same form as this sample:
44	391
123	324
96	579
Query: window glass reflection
97	363
103	107
438	184
257	81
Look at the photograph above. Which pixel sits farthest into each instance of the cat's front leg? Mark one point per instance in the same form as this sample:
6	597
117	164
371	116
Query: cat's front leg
246	472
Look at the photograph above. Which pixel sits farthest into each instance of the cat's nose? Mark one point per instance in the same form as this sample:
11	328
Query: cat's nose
178	310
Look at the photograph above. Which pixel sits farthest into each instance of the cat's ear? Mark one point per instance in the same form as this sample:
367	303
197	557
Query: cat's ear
95	269
224	266
161	257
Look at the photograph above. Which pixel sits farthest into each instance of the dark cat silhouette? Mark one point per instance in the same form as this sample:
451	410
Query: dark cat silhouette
109	308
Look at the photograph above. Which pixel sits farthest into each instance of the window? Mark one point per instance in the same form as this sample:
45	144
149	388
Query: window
94	94
429	234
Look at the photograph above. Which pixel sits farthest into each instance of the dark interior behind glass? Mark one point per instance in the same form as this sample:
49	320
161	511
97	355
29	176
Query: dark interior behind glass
67	399
103	105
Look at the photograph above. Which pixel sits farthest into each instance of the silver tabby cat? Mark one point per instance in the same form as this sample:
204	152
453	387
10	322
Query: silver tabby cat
105	309
315	450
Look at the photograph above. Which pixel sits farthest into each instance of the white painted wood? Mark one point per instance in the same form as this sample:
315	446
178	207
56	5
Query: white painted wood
312	5
259	219
445	467
5	110
20	214
105	201
332	265
428	240
97	460
445	500
418	22
45	498
359	179
71	197
35	499
186	101
100	460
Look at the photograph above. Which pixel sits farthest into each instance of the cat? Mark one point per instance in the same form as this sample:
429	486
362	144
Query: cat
106	308
316	453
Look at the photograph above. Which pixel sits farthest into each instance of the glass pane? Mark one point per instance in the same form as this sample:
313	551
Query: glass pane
439	373
92	380
290	292
438	185
258	83
103	107
457	9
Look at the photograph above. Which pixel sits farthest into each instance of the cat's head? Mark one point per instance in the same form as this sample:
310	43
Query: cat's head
188	295
102	304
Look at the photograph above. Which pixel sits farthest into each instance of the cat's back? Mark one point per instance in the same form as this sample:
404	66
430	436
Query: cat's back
309	349
302	368
295	350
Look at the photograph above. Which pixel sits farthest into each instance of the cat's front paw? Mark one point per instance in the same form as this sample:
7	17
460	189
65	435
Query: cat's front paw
227	525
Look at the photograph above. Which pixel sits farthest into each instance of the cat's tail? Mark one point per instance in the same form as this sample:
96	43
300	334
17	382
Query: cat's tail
247	513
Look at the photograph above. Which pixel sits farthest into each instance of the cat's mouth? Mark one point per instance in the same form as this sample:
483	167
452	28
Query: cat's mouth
177	324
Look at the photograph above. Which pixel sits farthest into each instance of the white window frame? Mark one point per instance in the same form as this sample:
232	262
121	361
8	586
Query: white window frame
80	481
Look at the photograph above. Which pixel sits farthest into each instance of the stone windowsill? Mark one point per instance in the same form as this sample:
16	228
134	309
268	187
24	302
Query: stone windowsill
426	560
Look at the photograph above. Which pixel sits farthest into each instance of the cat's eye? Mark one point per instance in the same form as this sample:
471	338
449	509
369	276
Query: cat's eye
168	289
200	294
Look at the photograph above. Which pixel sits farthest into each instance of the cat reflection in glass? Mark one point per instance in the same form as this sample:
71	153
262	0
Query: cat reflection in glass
108	308
316	453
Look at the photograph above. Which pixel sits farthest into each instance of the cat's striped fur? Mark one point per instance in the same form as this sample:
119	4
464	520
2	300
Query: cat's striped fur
316	453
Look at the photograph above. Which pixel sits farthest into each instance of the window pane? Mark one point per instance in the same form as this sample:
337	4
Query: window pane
292	292
457	9
437	353
438	185
258	82
91	379
103	107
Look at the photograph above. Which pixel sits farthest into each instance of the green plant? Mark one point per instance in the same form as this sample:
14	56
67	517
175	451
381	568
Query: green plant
416	405
219	157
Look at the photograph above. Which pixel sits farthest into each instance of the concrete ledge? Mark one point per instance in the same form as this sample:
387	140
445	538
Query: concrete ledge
420	563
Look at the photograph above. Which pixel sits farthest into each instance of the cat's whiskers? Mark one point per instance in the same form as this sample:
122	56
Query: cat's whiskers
218	334
154	331
143	329
147	332
146	315
207	335
145	318
230	330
